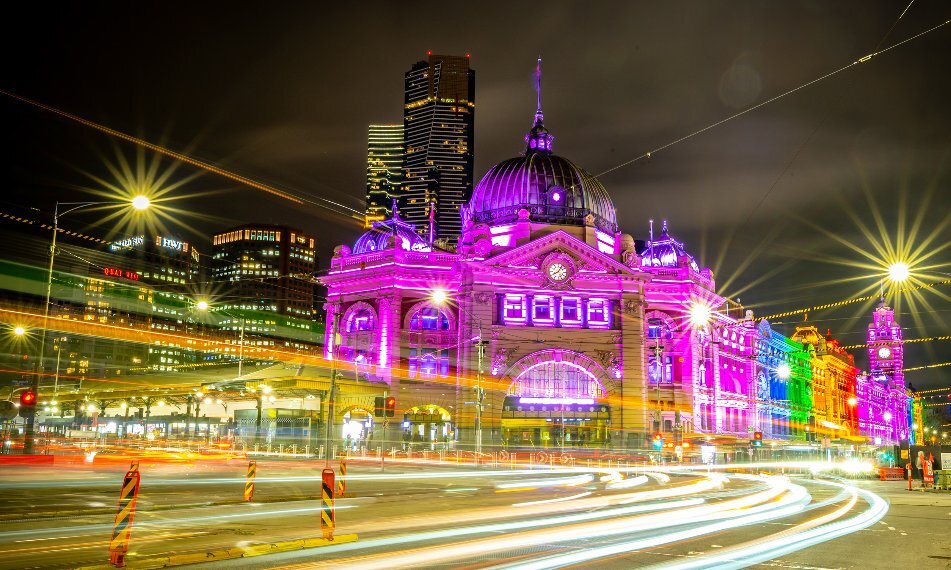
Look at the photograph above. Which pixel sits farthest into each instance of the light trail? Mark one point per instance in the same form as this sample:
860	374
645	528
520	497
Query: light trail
354	214
779	497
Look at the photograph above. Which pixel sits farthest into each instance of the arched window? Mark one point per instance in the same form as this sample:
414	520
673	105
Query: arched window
429	319
657	328
361	320
557	380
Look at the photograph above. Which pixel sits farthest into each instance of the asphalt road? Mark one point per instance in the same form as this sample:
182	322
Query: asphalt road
464	517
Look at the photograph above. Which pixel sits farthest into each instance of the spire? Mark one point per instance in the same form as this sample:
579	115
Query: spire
539	139
539	116
395	210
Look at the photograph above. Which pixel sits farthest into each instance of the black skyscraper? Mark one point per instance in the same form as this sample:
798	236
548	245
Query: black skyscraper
438	123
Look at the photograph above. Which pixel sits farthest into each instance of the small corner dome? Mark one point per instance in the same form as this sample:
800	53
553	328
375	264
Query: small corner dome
666	251
384	234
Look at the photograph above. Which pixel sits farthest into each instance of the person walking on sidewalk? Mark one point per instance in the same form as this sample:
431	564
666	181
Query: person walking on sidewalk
920	465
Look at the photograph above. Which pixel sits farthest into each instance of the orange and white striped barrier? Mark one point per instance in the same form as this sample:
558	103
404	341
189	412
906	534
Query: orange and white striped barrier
125	515
327	519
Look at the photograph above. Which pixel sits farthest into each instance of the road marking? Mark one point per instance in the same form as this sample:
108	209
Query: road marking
891	528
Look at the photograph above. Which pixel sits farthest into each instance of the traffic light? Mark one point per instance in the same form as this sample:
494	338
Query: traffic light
378	407
658	441
27	403
390	406
757	439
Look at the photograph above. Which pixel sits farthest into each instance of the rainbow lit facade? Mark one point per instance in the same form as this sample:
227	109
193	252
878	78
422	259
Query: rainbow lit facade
587	338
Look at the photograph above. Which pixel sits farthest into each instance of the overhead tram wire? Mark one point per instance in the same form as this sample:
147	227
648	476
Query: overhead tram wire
300	200
906	341
716	124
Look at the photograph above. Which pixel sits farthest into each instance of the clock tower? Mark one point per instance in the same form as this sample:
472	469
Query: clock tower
885	347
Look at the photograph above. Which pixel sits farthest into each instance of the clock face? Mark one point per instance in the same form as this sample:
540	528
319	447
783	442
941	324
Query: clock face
557	271
884	352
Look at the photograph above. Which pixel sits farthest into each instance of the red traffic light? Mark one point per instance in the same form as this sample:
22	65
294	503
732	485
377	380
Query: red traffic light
657	437
758	435
28	398
390	407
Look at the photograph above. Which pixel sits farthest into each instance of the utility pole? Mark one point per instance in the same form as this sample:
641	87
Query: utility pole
480	393
328	428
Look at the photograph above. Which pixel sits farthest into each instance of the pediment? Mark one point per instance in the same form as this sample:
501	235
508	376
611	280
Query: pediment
583	256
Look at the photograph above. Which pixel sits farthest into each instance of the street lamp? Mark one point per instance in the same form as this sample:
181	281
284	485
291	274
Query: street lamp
783	371
138	203
440	297
899	271
853	401
19	331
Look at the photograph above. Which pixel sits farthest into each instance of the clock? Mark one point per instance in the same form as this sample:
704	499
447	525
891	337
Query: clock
557	272
884	352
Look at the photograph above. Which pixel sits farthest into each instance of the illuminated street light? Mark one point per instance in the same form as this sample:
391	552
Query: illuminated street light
202	305
853	401
207	401
123	406
141	202
439	296
699	314
898	271
887	416
914	426
161	403
19	331
783	371
138	203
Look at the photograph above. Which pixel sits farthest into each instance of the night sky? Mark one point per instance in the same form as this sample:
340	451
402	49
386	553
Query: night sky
775	201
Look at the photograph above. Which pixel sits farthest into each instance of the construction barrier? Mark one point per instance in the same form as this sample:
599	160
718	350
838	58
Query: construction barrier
125	515
342	480
249	485
327	519
891	473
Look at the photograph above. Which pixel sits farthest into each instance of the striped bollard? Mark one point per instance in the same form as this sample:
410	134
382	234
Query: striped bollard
342	480
327	520
125	515
249	485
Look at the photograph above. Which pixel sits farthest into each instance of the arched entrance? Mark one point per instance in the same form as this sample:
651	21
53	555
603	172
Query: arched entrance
356	427
557	398
428	424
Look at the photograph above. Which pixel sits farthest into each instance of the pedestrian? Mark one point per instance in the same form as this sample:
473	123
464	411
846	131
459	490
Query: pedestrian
920	465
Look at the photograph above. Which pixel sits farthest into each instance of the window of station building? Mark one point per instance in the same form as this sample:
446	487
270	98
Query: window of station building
597	311
361	320
660	370
429	319
514	307
570	309
428	362
657	328
542	309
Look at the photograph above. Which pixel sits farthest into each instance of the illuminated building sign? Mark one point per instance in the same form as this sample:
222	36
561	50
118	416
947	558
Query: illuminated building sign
170	243
116	272
568	401
127	243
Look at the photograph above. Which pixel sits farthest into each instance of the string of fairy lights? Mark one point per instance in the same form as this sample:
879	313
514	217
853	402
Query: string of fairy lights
853	300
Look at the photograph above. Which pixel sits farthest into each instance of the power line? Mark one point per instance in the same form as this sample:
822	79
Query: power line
697	132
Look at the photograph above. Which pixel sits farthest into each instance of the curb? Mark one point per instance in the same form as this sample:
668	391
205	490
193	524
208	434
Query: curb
228	553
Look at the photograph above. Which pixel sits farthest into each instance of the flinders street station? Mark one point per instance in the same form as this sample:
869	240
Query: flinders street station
548	325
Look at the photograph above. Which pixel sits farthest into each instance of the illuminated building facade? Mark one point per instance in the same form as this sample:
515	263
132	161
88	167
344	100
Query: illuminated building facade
439	135
265	268
883	403
578	334
385	154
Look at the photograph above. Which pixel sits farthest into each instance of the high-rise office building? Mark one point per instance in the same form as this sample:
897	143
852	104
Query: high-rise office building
438	123
384	170
266	268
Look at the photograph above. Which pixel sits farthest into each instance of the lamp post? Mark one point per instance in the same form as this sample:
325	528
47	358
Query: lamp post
138	203
440	297
328	431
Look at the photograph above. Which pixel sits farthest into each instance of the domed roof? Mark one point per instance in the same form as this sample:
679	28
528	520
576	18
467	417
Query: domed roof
551	188
384	234
665	251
